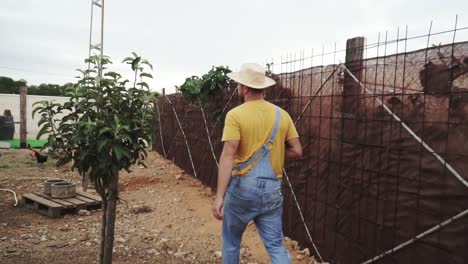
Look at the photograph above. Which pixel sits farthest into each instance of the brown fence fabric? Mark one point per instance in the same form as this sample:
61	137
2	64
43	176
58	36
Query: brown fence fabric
385	154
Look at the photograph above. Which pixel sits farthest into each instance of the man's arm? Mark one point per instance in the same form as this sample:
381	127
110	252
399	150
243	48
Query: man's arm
226	162
293	149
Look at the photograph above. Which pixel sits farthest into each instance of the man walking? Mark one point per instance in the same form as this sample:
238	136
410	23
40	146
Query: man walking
257	137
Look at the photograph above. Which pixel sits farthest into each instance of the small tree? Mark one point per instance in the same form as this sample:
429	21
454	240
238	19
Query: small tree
105	128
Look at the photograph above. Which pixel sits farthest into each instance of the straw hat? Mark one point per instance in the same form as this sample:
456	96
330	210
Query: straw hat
252	75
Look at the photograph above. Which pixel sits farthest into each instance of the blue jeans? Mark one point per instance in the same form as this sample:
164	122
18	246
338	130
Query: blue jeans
256	196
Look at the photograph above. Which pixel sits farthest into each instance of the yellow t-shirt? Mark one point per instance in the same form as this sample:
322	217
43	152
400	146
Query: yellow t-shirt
252	123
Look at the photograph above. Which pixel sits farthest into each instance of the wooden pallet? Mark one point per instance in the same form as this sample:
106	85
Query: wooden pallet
55	207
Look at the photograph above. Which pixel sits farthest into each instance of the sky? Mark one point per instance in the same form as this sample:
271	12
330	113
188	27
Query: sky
45	41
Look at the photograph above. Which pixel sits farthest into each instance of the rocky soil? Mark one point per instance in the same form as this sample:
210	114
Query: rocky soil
164	216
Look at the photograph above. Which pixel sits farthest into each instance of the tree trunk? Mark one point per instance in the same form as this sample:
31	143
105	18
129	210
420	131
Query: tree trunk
107	244
103	227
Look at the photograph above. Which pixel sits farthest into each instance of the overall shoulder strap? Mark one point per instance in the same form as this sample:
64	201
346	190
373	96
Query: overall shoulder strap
276	127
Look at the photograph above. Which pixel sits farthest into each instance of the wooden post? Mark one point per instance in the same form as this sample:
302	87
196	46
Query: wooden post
164	91
351	89
349	171
23	123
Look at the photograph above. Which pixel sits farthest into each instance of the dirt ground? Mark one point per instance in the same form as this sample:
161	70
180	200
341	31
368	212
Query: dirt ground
164	217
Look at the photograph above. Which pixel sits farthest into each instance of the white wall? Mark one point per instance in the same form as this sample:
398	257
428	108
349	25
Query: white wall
12	102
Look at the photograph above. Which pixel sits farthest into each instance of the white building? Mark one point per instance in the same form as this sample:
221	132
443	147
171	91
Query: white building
12	102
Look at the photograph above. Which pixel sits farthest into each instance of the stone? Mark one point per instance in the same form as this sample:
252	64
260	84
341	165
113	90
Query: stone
80	219
180	254
163	244
120	240
306	251
88	244
11	250
295	244
300	257
218	254
141	209
84	212
26	236
36	242
57	244
152	251
43	238
64	228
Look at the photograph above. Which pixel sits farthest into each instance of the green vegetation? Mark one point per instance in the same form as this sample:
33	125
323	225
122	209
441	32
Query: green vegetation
211	87
10	86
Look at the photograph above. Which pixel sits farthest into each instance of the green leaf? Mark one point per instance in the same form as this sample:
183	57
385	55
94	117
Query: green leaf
144	74
113	75
45	129
116	120
147	63
104	130
120	151
143	84
42	121
128	59
37	109
135	63
101	145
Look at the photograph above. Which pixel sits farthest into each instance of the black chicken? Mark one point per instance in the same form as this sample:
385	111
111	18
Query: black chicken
36	155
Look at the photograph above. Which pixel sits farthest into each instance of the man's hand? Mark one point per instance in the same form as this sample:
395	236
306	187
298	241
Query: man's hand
293	149
218	205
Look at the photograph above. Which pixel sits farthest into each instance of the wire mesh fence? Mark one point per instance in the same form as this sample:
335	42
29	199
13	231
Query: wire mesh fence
384	171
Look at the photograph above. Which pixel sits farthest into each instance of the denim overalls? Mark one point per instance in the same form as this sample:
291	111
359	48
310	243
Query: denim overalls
255	196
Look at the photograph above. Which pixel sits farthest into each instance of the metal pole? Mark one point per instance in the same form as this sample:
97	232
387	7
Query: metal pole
90	33
102	38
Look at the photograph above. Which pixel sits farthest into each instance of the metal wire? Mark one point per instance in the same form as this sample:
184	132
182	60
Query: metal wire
208	133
